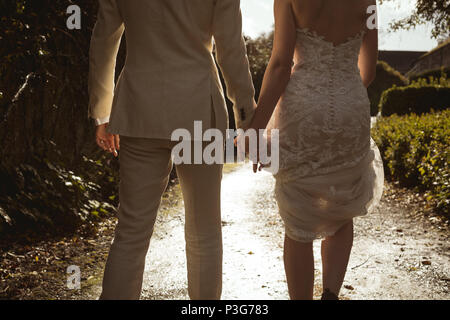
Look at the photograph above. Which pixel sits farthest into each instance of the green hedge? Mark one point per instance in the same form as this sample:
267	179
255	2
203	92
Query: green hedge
419	97
43	197
436	74
386	78
416	152
53	176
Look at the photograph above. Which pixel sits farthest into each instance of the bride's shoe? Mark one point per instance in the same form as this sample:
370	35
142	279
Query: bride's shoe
328	295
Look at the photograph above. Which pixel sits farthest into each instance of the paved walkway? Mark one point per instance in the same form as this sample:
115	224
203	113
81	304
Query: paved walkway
394	256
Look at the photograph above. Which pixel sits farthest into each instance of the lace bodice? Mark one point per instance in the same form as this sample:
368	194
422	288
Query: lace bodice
312	49
324	115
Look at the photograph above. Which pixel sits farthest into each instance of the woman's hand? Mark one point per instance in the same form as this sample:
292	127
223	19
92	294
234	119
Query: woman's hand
107	141
246	146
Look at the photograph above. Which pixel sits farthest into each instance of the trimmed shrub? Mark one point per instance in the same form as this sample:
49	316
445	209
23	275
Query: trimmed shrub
386	78
416	152
431	74
419	98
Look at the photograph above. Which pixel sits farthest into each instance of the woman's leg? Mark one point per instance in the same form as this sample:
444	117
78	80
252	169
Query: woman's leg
299	267
335	255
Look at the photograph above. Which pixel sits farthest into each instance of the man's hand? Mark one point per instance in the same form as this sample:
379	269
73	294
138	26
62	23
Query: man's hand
107	141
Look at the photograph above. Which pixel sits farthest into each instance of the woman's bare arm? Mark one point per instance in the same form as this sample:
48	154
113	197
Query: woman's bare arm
368	56
278	71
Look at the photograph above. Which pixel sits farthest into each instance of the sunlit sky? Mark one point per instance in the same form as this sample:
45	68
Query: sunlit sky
258	18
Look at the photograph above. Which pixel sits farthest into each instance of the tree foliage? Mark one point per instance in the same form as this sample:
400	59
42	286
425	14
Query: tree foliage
436	12
259	51
53	176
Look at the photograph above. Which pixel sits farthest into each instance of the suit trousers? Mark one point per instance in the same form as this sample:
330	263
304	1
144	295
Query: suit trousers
145	166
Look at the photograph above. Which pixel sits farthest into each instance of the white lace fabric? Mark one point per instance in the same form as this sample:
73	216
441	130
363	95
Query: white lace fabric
330	167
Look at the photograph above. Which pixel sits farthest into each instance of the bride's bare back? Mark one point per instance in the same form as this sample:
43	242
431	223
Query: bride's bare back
335	20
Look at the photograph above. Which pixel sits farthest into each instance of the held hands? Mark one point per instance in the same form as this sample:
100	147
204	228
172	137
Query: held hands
260	118
246	144
107	141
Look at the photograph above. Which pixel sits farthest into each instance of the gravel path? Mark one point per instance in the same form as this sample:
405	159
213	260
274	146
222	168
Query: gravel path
396	254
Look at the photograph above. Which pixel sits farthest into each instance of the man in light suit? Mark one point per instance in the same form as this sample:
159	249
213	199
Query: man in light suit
169	81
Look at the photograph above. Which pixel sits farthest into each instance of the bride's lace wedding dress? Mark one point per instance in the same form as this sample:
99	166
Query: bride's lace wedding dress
330	167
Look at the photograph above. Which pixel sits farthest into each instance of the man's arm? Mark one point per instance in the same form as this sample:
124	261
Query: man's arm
105	43
231	55
100	121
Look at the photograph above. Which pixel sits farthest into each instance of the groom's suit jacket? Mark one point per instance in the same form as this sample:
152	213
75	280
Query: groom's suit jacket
170	77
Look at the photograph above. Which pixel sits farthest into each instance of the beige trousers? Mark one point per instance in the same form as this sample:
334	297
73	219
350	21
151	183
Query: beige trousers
145	165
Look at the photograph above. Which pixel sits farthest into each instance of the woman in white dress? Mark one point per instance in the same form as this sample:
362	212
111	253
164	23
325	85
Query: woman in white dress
330	168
